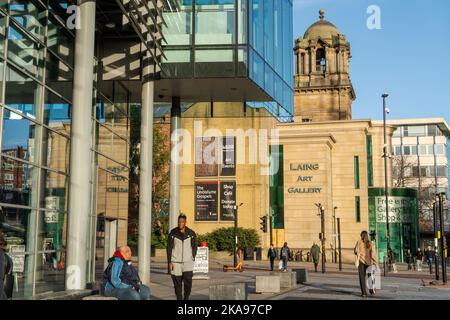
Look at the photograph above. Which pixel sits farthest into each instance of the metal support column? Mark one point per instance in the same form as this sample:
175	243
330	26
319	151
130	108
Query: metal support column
81	148
146	169
174	195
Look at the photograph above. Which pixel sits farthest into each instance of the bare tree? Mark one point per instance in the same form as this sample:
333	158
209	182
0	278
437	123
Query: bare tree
403	171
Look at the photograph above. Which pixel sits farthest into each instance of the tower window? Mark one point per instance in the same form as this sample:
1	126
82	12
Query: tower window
302	64
320	59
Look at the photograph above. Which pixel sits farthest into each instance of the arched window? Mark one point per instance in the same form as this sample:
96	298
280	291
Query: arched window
320	59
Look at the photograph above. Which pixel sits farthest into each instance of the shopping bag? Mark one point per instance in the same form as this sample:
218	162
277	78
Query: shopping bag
280	265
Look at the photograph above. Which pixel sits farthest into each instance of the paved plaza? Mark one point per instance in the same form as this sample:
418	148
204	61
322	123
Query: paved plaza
333	285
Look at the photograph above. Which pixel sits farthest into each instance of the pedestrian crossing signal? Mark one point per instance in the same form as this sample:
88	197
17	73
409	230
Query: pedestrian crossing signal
263	224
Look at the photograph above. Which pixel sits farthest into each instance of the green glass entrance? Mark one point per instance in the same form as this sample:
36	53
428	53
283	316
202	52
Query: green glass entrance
403	221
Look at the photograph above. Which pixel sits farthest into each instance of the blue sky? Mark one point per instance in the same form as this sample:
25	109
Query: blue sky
409	57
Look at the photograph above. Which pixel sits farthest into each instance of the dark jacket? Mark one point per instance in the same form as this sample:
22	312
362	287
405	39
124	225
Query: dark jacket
5	268
315	252
272	253
285	252
181	247
429	254
120	274
419	255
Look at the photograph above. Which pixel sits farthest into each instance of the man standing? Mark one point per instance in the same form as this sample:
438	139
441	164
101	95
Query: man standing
285	255
315	254
181	252
271	254
121	279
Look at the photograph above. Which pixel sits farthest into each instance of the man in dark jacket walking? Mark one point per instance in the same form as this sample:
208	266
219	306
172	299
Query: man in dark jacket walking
122	279
181	252
271	254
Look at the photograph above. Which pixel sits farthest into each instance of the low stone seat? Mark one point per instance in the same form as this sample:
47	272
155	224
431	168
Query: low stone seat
233	291
268	284
288	279
99	297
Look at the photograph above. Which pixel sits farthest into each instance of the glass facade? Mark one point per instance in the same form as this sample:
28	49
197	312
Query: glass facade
233	39
36	67
36	74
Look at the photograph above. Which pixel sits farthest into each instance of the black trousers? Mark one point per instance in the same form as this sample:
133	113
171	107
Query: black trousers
316	264
271	263
178	282
362	269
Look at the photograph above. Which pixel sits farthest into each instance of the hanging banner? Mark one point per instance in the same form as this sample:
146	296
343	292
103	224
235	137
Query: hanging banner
206	157
228	165
206	201
227	200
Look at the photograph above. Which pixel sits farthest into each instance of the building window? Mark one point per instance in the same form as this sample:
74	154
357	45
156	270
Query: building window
320	55
369	152
356	165
358	208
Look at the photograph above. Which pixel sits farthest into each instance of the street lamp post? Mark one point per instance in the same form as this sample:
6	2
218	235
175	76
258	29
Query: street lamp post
236	232
322	233
335	235
442	236
386	156
339	241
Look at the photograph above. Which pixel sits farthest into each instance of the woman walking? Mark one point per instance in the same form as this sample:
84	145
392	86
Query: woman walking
365	257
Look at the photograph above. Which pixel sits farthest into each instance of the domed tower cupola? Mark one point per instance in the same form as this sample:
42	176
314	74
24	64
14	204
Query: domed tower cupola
323	90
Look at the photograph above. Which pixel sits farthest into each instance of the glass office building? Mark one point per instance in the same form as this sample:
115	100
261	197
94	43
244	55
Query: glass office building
36	76
218	50
243	40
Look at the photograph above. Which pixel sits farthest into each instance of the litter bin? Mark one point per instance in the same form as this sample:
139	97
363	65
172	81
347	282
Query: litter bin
249	254
258	252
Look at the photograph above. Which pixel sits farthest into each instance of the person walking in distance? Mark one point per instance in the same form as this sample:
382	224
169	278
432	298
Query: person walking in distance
429	256
419	260
271	254
285	256
181	252
315	254
365	257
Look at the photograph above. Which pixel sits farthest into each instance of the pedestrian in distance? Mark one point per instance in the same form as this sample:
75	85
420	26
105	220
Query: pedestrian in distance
181	252
315	254
419	260
409	259
429	256
121	279
365	257
6	265
272	255
285	255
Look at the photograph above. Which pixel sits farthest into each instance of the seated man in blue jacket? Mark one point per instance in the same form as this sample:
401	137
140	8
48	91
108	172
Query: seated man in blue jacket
122	279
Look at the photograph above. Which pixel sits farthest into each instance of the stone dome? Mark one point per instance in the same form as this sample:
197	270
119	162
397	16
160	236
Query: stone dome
322	29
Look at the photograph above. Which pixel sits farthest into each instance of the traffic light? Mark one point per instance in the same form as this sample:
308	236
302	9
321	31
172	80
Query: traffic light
263	224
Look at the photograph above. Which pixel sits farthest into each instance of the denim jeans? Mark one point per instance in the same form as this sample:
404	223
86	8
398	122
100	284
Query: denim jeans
129	293
285	262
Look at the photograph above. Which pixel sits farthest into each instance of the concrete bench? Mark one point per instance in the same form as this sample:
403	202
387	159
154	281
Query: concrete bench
99	297
267	284
302	275
233	291
288	279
